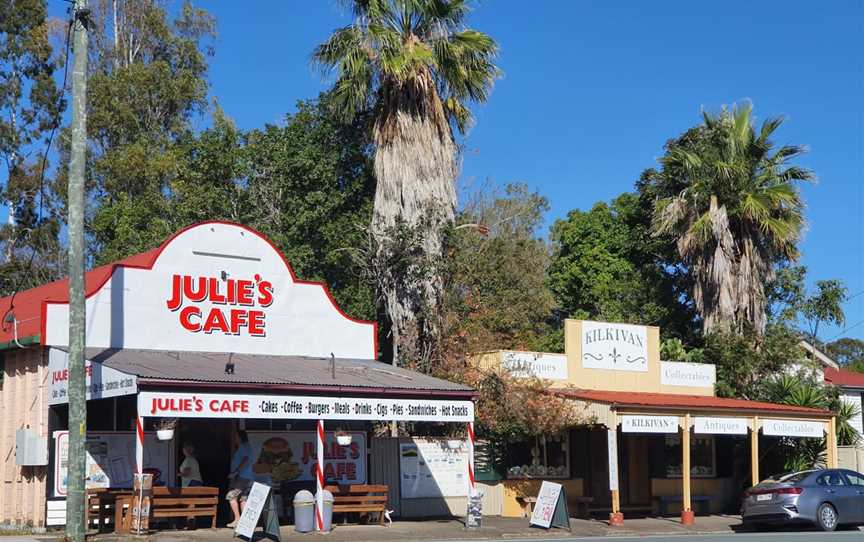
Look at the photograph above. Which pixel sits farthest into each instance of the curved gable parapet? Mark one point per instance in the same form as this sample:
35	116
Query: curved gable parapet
215	287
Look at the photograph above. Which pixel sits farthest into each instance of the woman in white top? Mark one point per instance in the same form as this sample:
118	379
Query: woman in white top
190	471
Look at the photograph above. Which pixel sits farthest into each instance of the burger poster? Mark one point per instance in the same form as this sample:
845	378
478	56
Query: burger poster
290	456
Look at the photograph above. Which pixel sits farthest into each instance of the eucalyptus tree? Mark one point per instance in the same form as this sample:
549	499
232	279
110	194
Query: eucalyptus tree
31	104
731	202
415	66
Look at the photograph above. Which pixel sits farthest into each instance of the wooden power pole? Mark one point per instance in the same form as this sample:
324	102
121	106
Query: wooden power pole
75	496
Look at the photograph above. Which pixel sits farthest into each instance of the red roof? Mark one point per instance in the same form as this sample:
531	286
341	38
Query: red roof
695	402
27	306
844	377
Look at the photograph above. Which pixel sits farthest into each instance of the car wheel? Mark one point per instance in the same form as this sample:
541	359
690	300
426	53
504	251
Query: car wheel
826	517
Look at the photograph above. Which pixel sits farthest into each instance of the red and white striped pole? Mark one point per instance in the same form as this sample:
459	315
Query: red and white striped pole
139	445
319	479
472	484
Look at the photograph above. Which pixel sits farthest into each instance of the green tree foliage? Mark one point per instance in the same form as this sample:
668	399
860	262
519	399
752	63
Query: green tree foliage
848	352
146	84
743	368
416	68
607	267
497	295
731	202
30	108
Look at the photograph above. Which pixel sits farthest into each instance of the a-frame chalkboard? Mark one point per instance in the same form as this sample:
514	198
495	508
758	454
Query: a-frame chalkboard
550	510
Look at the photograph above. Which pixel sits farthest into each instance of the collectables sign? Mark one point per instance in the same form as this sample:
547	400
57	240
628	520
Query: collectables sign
211	405
720	426
616	347
649	424
792	428
696	375
535	365
102	382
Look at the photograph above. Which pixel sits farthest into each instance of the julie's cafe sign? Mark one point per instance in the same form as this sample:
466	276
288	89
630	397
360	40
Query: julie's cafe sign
214	287
233	306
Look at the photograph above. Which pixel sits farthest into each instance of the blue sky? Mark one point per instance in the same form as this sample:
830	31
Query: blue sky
591	91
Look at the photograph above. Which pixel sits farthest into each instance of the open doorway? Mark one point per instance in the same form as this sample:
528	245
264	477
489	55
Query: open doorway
212	441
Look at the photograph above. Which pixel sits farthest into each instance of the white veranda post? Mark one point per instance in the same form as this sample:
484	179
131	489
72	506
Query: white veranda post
472	484
319	479
139	445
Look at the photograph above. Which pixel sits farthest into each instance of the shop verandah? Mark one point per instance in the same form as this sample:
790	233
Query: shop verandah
301	404
660	454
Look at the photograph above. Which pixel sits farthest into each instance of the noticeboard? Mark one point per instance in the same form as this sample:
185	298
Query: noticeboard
550	510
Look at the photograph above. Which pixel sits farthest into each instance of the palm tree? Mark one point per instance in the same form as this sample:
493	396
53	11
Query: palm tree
735	211
414	65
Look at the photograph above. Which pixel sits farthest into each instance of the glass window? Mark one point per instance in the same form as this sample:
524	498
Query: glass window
854	478
703	462
793	478
546	456
831	478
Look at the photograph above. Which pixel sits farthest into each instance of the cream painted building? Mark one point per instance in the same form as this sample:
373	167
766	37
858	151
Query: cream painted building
661	441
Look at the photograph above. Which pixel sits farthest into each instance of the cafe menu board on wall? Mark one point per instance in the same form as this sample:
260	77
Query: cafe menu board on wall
433	468
111	460
290	456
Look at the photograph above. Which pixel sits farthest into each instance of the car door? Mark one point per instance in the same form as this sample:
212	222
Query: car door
856	482
842	495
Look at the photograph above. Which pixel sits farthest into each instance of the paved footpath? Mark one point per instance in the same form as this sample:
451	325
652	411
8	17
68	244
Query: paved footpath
707	529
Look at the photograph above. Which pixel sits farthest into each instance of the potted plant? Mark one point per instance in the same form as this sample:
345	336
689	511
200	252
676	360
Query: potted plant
343	438
165	428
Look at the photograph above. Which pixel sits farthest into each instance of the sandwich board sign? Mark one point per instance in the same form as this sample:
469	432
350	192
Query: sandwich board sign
550	510
259	501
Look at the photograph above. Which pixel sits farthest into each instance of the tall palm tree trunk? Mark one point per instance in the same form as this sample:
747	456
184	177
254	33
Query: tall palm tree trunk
415	168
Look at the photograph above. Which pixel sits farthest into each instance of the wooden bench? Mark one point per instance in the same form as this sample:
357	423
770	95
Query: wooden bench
702	501
360	498
177	502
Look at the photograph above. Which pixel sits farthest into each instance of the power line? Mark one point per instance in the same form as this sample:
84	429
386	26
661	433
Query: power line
44	162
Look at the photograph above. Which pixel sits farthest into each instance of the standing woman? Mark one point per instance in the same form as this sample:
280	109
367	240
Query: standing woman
241	475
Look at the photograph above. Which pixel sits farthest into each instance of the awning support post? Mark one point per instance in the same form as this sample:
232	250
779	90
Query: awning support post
472	484
319	479
754	452
831	443
616	518
139	445
687	515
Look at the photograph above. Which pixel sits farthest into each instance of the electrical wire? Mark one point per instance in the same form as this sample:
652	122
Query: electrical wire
44	163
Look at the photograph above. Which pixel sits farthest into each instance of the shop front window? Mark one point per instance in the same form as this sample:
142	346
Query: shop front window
546	456
703	459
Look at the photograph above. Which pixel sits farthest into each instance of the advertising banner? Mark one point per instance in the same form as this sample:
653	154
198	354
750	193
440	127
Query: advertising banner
111	460
720	426
433	468
793	428
616	347
649	424
211	405
535	365
696	375
102	382
290	456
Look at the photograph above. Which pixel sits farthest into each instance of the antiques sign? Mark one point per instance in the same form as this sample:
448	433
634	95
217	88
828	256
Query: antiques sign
617	347
535	365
